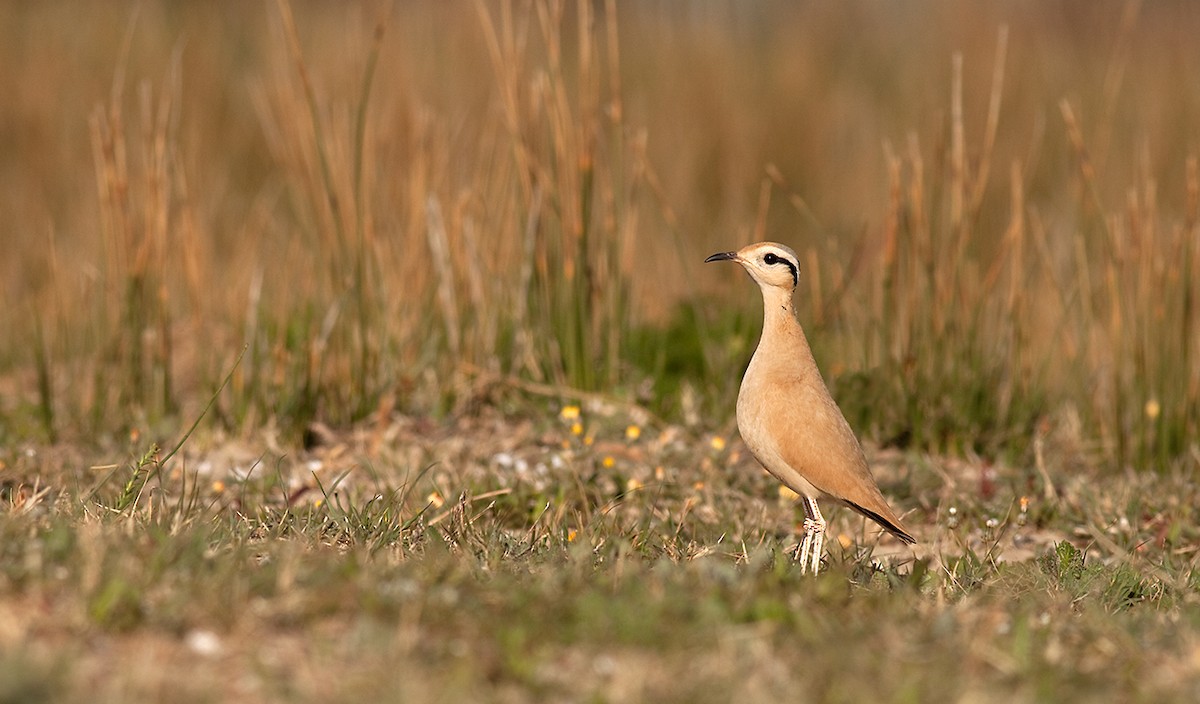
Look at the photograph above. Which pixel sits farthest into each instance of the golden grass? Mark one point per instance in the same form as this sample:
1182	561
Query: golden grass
997	208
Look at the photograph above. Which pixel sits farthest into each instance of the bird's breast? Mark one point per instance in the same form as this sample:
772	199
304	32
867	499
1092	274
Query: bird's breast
754	406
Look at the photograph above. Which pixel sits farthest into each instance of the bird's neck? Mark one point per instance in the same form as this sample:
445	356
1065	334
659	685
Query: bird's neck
777	300
777	308
781	329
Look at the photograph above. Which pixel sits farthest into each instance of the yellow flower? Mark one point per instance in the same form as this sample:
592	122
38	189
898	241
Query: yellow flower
435	499
589	440
577	428
608	461
318	502
717	443
569	412
571	535
218	487
633	432
1153	409
633	485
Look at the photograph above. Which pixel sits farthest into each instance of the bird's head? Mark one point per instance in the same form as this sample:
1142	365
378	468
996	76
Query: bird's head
769	263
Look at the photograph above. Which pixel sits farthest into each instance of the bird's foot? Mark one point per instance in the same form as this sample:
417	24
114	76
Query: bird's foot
814	539
800	554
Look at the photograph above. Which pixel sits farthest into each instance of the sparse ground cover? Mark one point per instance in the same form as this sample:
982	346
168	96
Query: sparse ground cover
572	555
426	278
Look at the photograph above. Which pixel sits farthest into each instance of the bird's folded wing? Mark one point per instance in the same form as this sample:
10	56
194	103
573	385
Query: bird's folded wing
813	437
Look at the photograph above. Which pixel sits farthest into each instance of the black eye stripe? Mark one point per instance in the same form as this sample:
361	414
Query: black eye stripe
770	259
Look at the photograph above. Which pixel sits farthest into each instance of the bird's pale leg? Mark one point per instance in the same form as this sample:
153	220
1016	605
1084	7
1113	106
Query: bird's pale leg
814	537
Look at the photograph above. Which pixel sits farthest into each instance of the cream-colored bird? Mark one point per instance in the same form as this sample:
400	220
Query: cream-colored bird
787	417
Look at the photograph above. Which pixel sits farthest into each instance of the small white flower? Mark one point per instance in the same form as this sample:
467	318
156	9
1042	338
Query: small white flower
204	643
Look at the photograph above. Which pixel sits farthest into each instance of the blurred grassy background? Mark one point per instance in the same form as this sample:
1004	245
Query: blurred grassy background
996	204
404	220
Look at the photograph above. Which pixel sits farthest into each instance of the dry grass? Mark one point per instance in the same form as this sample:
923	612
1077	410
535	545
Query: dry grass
409	234
569	554
998	228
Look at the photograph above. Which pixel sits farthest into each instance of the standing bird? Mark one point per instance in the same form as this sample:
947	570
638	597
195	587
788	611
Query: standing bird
787	417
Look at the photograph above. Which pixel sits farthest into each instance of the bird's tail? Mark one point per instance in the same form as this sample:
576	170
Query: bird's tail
890	524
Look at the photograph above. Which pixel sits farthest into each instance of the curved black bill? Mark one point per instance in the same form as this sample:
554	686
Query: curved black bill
722	257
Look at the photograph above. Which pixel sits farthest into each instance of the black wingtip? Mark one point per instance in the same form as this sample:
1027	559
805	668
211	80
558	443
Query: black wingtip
884	523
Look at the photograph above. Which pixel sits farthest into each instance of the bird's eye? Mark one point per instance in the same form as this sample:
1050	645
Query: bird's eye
770	258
